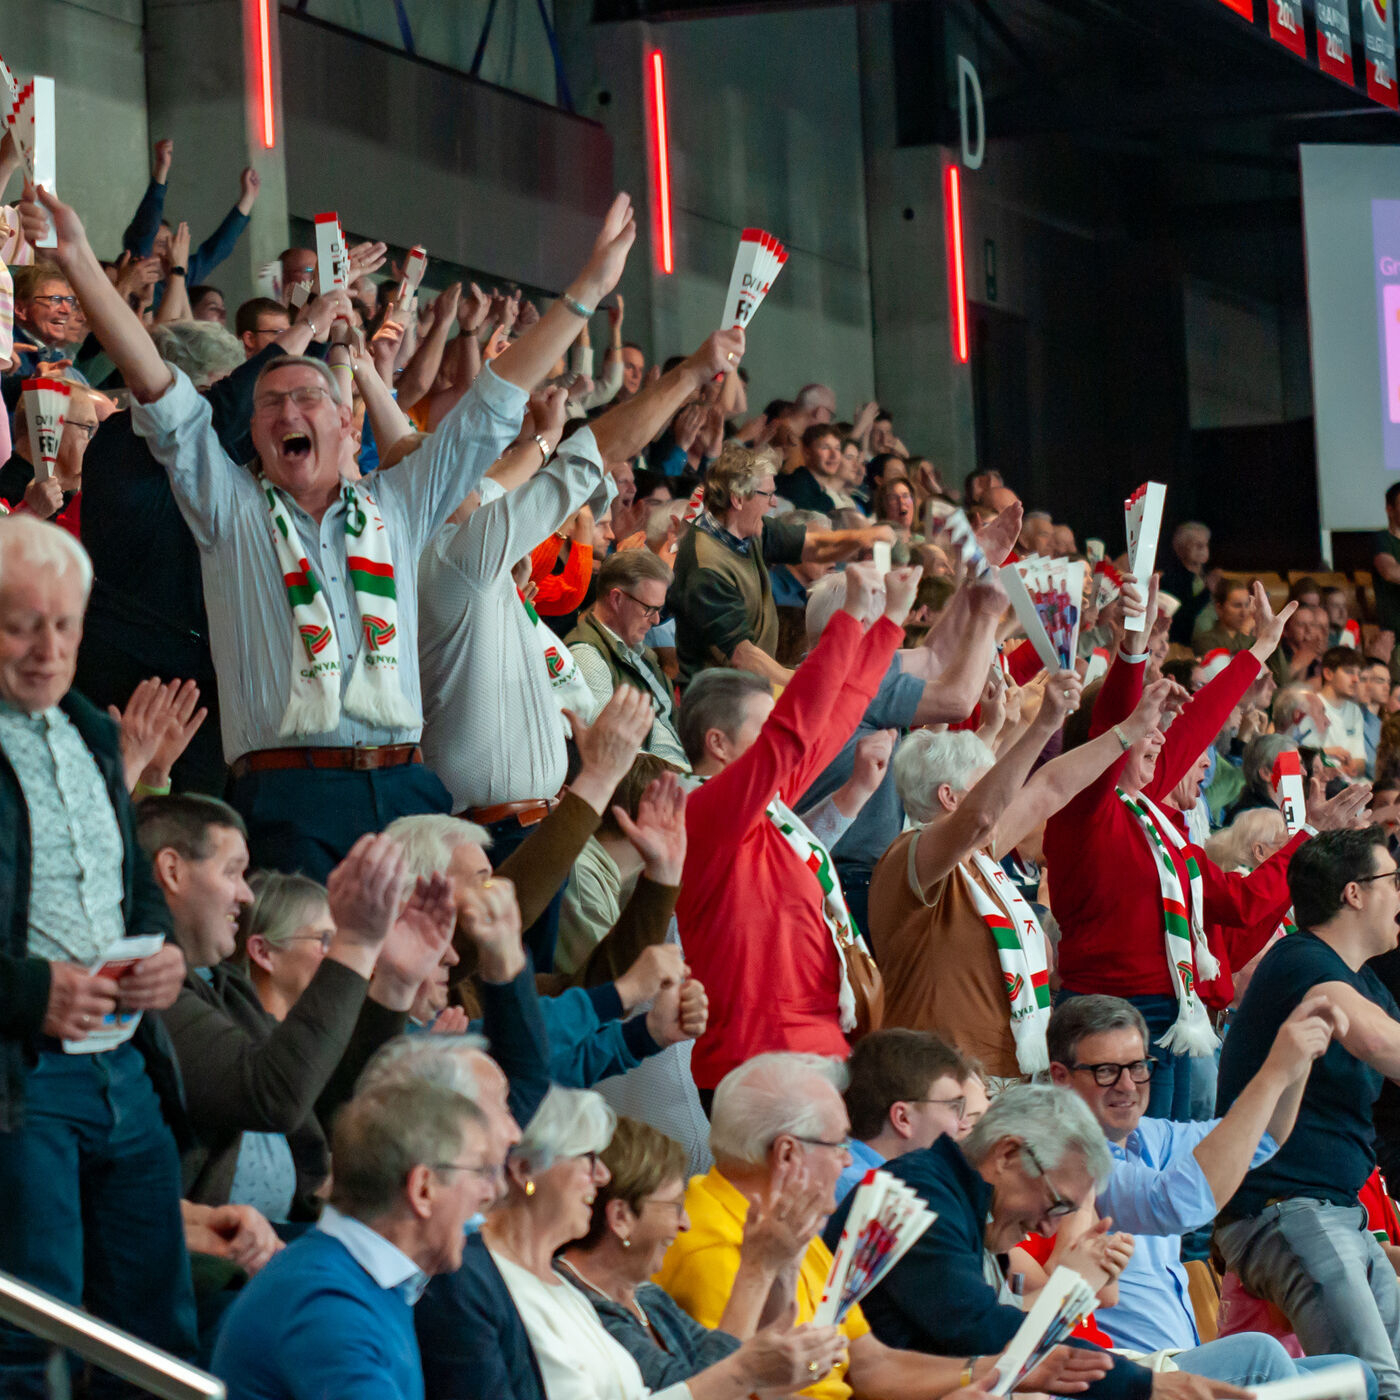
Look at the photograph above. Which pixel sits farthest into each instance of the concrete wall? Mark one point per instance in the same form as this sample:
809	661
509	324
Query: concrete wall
93	52
765	130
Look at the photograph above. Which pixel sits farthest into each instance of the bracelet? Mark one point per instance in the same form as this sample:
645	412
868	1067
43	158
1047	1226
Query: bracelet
1122	738
544	447
1133	659
577	307
178	272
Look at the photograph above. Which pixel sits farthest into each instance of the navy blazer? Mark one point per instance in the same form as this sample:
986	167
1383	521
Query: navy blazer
473	1343
936	1299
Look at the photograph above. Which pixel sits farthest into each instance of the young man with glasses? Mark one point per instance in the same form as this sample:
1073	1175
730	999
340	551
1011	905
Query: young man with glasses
906	1092
1168	1177
1294	1231
609	643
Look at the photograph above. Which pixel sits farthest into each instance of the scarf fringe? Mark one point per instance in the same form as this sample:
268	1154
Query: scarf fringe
313	709
1191	1035
1032	1057
374	696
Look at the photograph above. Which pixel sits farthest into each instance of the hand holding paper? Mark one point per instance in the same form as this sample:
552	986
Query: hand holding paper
759	259
1142	515
46	411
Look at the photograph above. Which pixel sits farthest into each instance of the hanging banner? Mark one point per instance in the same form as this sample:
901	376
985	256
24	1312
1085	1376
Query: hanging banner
1378	27
1243	8
1286	25
1334	39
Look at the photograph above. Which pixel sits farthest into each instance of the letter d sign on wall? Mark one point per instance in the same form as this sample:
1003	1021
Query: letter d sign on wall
967	79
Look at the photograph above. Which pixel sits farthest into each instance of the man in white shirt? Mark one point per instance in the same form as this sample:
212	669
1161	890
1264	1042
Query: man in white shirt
1344	736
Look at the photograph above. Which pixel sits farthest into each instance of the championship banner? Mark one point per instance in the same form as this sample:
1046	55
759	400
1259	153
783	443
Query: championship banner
332	261
45	410
1334	39
1286	25
1378	27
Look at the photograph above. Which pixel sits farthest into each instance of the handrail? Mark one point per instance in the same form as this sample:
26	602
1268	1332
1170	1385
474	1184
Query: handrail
116	1351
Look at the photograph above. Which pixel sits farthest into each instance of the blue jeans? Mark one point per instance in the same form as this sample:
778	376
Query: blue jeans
91	1192
1252	1358
304	820
1324	1270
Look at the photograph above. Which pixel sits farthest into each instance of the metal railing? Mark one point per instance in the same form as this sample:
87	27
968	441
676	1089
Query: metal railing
155	1371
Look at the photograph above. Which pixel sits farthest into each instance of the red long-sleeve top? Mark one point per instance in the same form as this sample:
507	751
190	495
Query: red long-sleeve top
750	913
1104	888
562	592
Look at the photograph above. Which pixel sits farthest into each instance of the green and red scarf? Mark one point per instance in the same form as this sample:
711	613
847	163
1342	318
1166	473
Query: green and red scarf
1183	921
375	693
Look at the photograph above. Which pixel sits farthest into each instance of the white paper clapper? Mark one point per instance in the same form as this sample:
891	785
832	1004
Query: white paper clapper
415	265
332	258
1024	607
1063	1304
29	115
46	411
1142	518
759	259
1289	792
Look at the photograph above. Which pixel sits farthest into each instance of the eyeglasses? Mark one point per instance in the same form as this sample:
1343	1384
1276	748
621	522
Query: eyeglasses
88	428
483	1171
958	1105
1384	875
1059	1206
820	1142
647	609
1105	1074
677	1206
766	494
590	1157
304	396
324	939
68	301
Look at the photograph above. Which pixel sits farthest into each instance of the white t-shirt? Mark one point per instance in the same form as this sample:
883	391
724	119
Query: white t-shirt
578	1360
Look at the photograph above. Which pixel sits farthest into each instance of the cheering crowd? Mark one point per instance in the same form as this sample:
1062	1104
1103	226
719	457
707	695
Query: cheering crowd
498	846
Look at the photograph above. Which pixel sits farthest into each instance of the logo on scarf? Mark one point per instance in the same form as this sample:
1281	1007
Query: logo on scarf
378	632
1015	984
554	662
1188	976
315	638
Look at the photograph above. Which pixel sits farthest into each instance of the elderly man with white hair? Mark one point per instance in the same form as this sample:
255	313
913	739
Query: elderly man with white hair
778	1133
1037	1156
961	951
311	578
937	682
89	1169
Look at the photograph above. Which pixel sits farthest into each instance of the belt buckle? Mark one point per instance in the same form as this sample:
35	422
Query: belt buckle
361	762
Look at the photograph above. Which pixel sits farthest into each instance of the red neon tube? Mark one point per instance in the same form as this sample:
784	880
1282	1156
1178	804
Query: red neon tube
265	74
660	143
958	290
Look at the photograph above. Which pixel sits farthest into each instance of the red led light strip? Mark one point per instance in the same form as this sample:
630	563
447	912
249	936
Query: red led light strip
958	291
265	74
660	143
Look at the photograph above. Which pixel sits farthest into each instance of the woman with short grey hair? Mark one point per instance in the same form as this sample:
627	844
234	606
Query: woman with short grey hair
282	937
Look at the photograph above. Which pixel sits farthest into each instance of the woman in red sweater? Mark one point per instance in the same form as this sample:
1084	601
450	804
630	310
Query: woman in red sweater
758	918
1131	894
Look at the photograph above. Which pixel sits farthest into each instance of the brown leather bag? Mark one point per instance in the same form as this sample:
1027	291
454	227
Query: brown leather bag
867	985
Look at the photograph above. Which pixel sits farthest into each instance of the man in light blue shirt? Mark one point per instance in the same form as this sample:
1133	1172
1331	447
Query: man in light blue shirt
1170	1177
905	1092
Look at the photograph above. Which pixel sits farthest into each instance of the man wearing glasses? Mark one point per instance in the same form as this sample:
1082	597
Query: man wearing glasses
610	647
44	306
1169	1178
1294	1231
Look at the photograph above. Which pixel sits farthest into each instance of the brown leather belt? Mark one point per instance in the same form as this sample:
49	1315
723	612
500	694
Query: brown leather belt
357	760
526	813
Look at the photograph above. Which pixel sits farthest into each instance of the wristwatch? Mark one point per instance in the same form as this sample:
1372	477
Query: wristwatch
178	272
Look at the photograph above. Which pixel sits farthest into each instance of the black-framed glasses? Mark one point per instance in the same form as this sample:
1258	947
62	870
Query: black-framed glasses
1059	1206
590	1157
1384	875
647	609
1106	1073
767	495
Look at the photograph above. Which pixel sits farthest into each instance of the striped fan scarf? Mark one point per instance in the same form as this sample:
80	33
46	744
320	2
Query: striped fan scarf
374	693
1020	944
815	856
1183	921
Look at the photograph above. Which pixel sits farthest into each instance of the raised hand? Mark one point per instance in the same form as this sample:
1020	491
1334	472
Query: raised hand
901	588
164	154
872	758
661	965
720	353
451	1020
658	833
366	259
44	496
1162	696
366	889
180	245
1062	692
779	1227
608	746
687	425
528	314
142	725
998	537
444	306
680	1012
417	943
1348	808
615	313
609	256
471	311
549	409
321	312
249	186
489	914
865	591
1268	627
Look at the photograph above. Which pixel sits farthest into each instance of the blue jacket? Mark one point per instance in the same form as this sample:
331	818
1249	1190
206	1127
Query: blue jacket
473	1342
24	981
936	1299
314	1324
145	224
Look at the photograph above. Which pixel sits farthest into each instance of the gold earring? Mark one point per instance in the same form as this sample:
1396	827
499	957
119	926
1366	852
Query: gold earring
529	1188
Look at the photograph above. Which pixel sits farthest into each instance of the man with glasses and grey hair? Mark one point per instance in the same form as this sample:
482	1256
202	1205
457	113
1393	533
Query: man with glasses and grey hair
1036	1157
778	1131
311	579
333	1313
1169	1178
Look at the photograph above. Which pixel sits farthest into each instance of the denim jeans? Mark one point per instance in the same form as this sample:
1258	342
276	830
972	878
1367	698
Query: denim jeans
1324	1270
91	1193
1253	1358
